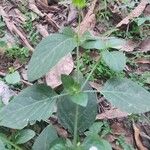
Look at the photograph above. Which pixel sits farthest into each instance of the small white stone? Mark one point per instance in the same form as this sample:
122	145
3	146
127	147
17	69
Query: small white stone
93	148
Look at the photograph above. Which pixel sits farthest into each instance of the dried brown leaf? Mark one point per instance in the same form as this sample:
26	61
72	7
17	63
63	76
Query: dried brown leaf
34	8
72	14
135	13
111	114
95	86
129	46
42	30
5	93
89	20
64	66
137	138
144	46
13	29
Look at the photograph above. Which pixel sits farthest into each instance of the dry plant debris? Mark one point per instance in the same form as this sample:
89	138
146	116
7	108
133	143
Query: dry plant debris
135	13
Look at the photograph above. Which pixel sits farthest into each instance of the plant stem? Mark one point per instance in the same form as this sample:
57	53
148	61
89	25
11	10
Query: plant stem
11	143
75	132
78	44
93	69
76	127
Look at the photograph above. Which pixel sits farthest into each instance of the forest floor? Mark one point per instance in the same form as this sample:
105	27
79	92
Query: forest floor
23	23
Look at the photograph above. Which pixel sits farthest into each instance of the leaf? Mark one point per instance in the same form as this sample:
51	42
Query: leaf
35	103
127	95
13	78
24	136
49	51
5	93
58	144
103	43
79	3
94	129
96	143
80	98
46	137
64	66
2	145
70	84
115	60
86	115
134	13
74	90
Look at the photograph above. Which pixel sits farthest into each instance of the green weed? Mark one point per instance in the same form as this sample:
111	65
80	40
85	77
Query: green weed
17	52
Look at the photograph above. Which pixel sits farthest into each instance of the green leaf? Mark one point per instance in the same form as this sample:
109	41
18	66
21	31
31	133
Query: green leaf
70	85
94	142
94	44
80	98
103	43
95	128
141	20
48	52
13	78
127	95
79	3
24	136
74	88
59	144
68	31
44	140
35	103
86	115
115	60
2	145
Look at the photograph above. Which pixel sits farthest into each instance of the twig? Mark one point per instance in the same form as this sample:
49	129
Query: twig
13	29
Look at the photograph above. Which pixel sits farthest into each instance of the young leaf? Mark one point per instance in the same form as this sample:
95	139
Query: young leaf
24	136
44	140
79	3
80	98
48	52
70	84
35	103
86	115
115	60
74	88
13	78
127	95
94	142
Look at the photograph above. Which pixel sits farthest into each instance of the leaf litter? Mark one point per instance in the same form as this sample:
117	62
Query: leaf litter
50	23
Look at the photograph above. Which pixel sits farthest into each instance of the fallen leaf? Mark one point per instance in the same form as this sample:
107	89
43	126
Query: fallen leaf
72	14
129	46
5	93
134	13
42	30
89	20
95	85
64	66
13	29
142	61
45	1
144	46
137	138
111	114
33	7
